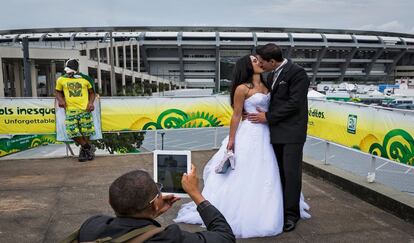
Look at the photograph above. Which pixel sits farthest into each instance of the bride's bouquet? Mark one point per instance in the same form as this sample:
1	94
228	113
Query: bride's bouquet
226	162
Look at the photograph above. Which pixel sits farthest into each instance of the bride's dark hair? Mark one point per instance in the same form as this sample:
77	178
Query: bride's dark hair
242	74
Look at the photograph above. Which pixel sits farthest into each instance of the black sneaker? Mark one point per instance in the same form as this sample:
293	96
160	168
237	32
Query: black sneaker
90	153
82	155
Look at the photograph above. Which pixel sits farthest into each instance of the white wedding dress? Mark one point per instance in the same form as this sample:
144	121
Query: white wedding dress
250	197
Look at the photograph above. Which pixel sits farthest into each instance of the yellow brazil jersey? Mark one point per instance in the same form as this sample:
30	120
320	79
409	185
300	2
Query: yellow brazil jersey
75	90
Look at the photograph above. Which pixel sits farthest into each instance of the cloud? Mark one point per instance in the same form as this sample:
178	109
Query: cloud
391	26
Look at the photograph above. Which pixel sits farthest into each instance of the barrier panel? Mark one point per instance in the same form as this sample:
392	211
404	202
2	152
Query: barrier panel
384	132
37	116
376	130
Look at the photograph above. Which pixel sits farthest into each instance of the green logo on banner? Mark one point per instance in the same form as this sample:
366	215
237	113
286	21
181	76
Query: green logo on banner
398	145
352	123
175	118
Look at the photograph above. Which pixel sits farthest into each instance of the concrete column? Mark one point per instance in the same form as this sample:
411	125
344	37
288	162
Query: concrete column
98	71
132	63
98	52
138	59
33	74
123	82
83	64
116	56
107	55
48	80
88	52
181	63
99	77
217	70
1	79
345	65
123	70
317	64
17	82
52	83
21	78
132	56
124	54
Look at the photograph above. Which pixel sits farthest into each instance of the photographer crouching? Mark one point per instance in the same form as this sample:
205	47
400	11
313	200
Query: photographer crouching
137	201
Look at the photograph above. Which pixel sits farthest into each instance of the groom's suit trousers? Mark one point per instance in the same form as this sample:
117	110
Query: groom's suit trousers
289	158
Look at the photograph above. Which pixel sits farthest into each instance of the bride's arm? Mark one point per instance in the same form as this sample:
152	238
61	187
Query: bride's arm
239	97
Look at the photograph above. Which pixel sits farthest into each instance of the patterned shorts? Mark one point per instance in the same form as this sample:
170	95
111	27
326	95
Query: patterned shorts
79	123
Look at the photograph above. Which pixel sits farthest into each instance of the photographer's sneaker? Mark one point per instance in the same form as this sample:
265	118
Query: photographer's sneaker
91	152
82	155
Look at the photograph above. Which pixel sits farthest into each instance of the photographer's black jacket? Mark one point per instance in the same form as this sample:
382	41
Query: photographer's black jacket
218	230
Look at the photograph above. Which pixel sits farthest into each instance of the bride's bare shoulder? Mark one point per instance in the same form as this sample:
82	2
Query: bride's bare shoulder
242	89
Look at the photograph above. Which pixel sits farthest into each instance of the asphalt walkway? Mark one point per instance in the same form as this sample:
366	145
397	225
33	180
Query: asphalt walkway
43	200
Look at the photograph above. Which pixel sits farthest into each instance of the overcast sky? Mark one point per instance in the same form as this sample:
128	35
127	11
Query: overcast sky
385	15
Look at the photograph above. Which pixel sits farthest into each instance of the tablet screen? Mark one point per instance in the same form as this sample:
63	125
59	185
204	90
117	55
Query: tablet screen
170	168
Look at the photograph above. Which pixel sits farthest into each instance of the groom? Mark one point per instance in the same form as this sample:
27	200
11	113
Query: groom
287	118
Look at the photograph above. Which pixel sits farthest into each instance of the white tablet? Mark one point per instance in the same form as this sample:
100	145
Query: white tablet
169	167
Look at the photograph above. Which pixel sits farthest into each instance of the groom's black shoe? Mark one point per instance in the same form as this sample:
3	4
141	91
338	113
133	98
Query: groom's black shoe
289	225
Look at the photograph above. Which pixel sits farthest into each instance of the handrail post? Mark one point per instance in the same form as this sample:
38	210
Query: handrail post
371	173
326	153
155	140
215	136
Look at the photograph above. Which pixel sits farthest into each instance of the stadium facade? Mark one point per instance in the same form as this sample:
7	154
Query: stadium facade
165	58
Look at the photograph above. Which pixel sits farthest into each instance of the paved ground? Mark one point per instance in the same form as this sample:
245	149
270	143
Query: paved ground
43	200
396	175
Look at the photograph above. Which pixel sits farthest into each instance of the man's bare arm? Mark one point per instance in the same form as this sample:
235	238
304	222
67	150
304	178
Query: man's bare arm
60	98
91	99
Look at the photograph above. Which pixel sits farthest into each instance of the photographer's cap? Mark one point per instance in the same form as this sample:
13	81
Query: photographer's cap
71	66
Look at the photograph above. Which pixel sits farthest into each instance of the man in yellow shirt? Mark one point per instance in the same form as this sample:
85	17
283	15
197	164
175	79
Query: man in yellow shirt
75	93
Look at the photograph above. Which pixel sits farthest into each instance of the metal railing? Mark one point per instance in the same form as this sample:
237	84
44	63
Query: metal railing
374	168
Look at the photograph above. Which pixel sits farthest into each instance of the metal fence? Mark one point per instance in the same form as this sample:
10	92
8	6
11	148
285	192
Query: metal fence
373	168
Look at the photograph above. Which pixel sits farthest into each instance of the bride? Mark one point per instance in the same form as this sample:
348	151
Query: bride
250	197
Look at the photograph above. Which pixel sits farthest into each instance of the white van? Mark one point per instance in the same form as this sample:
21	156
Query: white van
401	101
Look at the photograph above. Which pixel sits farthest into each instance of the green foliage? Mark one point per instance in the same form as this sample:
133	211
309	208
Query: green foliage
120	142
137	89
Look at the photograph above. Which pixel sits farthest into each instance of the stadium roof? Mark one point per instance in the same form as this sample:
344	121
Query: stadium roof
203	29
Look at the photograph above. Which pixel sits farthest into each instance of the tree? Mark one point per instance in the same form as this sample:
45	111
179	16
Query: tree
127	142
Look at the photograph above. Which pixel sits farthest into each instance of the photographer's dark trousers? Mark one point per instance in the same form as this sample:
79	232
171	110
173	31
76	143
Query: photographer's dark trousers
289	157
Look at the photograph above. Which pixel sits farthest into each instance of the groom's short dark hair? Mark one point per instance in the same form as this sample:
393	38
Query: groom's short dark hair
270	51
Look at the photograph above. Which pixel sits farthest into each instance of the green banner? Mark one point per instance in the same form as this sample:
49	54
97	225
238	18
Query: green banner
384	132
12	144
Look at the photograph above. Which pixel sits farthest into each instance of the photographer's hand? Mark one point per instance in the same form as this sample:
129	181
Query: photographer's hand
190	185
168	201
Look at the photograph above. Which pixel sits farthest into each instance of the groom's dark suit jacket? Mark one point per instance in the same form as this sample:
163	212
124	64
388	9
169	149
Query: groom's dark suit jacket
288	109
